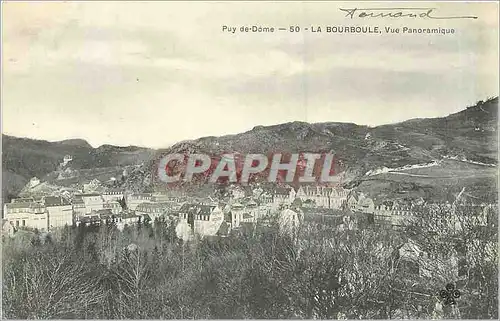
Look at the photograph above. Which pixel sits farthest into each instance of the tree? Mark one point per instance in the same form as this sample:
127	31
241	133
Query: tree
123	203
461	232
45	285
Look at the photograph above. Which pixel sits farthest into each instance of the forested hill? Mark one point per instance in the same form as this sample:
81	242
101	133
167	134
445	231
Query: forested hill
24	158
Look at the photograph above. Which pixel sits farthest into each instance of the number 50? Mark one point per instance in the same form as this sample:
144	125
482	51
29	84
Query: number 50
294	28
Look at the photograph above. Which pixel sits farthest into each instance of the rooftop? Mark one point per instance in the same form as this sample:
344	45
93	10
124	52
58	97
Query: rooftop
22	200
162	205
55	201
24	205
88	195
197	209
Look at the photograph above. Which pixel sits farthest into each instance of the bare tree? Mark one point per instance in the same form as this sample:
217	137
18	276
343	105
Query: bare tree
38	285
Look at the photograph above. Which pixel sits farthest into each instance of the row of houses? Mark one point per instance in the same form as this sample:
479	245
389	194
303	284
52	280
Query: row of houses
220	219
317	196
246	205
48	212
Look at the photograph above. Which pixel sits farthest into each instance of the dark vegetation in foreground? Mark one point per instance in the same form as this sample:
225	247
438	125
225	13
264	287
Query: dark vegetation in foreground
146	272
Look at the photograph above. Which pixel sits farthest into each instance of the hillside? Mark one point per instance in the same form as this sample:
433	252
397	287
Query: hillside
24	158
468	137
470	134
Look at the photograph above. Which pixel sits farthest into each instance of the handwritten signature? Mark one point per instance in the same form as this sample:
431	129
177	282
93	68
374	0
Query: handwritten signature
397	13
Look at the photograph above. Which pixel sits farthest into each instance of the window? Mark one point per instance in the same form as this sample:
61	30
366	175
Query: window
17	223
24	222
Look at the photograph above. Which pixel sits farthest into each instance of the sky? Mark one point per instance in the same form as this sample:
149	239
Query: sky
155	73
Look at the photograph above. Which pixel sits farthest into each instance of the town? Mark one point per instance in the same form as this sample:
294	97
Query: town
240	205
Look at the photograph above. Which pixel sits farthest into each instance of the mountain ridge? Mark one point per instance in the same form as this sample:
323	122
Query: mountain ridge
470	134
24	158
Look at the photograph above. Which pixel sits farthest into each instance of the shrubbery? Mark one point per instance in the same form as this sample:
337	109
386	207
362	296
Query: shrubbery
146	272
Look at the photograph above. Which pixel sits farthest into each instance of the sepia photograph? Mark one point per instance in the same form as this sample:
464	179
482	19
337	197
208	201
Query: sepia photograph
249	160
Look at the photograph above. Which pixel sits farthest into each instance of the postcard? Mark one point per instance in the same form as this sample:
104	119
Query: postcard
250	160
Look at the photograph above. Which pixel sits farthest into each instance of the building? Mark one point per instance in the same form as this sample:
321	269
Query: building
207	220
352	201
128	218
359	202
78	206
264	197
186	213
59	210
105	215
161	197
113	195
321	196
67	159
134	200
204	220
153	210
34	182
247	211
30	215
383	212
88	220
366	205
236	214
113	206
401	213
92	201
283	195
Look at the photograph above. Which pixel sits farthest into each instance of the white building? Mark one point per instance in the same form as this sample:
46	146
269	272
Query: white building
115	195
321	196
59	210
152	210
128	218
91	201
26	215
247	212
204	220
113	206
237	211
134	200
78	207
67	159
359	202
207	220
34	182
